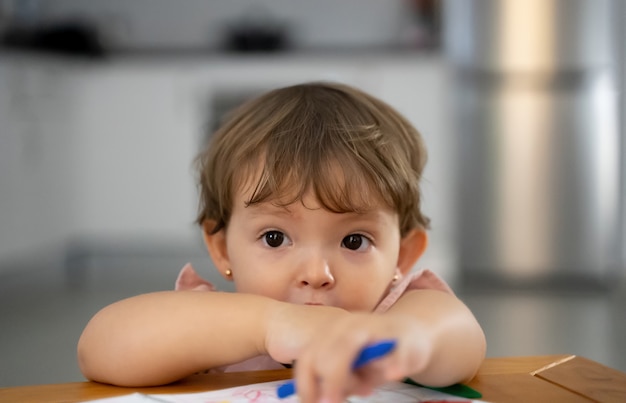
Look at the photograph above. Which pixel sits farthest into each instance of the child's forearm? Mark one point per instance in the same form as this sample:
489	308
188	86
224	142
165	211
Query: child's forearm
457	341
158	338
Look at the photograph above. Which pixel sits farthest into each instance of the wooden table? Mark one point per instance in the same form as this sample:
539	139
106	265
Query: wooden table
554	378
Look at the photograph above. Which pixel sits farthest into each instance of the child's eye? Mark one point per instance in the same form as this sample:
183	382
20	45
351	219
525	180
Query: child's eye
274	239
356	242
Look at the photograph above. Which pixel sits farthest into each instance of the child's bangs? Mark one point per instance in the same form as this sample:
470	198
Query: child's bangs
341	184
344	186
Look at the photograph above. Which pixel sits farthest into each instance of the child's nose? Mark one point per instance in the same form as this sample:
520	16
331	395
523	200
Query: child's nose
315	272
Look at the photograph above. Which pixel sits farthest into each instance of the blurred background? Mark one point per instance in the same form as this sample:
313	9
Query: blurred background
103	106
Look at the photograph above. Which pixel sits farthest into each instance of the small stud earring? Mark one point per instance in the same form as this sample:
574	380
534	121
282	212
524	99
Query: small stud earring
228	273
396	277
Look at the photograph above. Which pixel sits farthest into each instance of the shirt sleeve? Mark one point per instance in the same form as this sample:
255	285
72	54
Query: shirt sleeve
189	280
420	280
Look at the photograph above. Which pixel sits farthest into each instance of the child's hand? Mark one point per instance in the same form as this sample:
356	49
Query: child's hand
291	328
323	370
438	342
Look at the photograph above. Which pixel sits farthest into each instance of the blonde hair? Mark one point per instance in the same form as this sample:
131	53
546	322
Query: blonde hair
348	147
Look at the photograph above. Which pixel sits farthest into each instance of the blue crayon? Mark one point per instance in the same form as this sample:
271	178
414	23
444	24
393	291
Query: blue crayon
367	354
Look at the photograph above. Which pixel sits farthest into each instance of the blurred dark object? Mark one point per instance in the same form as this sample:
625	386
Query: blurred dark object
256	39
68	38
426	16
257	30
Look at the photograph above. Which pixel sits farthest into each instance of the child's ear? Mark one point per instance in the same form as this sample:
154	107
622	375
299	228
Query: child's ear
216	245
412	247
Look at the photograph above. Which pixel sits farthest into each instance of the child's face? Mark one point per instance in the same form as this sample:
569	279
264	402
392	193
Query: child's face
305	254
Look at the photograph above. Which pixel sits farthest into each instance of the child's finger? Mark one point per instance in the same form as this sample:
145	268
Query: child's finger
341	379
324	371
306	380
334	375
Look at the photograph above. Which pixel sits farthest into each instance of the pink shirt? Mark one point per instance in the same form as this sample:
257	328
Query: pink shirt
424	279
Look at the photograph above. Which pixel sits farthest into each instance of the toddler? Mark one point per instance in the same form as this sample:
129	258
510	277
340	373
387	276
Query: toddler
310	204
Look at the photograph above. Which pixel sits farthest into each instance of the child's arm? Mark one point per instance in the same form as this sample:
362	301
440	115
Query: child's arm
458	343
439	343
158	338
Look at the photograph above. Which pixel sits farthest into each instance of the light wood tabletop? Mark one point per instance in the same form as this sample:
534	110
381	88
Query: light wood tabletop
553	378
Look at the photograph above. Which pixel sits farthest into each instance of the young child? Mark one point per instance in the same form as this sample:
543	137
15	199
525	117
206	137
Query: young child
310	204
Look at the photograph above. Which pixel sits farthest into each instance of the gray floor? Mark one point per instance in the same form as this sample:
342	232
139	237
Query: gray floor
42	314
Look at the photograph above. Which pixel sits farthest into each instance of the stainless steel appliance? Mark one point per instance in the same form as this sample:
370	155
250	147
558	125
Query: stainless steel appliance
538	141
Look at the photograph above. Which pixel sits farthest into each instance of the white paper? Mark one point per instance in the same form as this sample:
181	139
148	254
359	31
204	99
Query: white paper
395	392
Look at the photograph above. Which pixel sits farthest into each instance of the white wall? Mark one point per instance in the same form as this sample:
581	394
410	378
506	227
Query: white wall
129	130
34	164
